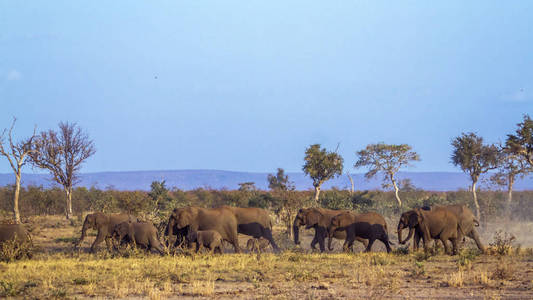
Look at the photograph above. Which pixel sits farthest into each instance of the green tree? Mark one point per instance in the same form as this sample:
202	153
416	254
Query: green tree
280	181
321	166
386	159
474	158
159	196
62	153
521	143
17	154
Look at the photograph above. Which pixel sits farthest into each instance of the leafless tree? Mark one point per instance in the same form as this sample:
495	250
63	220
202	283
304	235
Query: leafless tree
17	155
62	153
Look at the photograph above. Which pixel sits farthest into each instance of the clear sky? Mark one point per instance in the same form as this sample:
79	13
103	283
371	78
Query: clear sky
248	85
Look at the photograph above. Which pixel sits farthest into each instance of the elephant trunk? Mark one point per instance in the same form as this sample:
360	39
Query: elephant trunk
411	231
84	228
296	231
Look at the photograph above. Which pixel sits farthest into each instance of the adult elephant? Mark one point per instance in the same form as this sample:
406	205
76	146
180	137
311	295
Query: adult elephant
195	218
104	223
139	234
254	222
439	224
371	226
319	219
16	234
466	219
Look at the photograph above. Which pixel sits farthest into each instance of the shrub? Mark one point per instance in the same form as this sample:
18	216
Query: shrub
12	250
502	242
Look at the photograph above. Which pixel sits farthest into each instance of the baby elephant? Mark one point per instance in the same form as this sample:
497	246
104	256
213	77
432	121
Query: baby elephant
206	238
257	245
139	234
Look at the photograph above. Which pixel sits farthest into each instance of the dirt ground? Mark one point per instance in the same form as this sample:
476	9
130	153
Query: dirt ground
58	271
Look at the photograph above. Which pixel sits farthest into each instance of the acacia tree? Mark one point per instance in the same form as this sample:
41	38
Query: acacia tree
62	153
17	155
511	166
521	143
386	159
474	158
321	166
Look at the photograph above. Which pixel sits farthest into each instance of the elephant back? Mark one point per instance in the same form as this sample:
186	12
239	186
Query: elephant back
14	231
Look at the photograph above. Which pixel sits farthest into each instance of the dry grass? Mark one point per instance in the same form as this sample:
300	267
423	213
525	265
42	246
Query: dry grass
59	272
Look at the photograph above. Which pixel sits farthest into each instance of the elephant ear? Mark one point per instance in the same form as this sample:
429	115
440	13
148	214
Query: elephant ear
311	218
99	220
413	219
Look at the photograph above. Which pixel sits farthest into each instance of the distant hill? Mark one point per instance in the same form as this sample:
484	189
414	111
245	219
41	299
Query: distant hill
216	179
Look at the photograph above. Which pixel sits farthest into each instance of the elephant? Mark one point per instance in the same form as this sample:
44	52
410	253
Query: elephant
257	245
17	234
255	222
319	219
104	223
181	236
141	234
467	222
195	218
371	226
210	239
439	224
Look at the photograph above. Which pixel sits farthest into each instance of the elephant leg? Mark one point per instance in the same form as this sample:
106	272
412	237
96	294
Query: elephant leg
416	241
99	239
454	246
426	245
475	236
362	240
108	243
235	242
370	243
321	237
385	240
267	234
446	249
314	241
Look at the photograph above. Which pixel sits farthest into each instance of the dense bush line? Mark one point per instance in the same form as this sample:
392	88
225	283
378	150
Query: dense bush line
36	200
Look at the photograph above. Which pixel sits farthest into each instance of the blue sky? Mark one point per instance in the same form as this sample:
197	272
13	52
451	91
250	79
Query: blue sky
248	85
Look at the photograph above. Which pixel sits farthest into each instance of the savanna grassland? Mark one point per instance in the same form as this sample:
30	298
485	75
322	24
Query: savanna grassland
59	271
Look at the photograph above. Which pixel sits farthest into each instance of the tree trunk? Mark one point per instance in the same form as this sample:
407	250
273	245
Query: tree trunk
16	211
396	190
474	194
510	194
351	182
68	192
317	193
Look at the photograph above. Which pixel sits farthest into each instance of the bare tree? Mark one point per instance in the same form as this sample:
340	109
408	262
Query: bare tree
474	158
17	155
512	165
388	159
62	153
289	202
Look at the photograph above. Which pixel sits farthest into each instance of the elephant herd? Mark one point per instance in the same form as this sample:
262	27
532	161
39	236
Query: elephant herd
211	227
445	223
206	227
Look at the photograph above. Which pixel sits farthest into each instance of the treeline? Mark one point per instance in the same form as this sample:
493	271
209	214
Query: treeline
36	200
